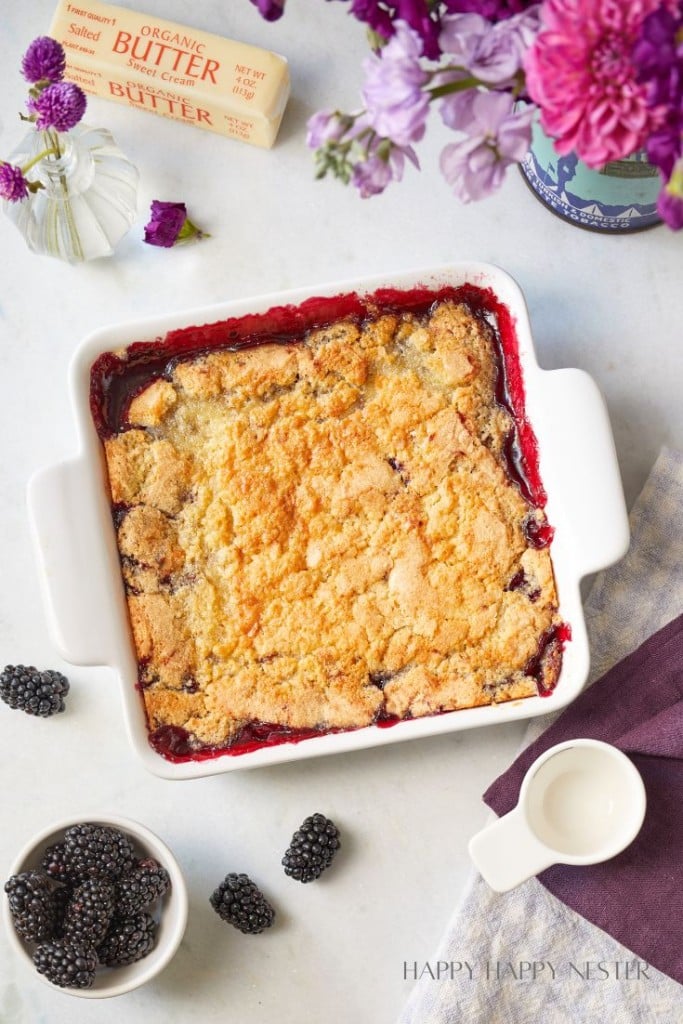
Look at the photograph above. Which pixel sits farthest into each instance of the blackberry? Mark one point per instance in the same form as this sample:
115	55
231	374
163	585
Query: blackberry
143	885
97	851
32	905
36	693
67	964
62	897
311	849
128	940
54	863
89	912
240	902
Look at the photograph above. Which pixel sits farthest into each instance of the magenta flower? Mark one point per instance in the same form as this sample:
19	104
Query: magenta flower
44	61
495	136
271	10
581	73
397	106
169	225
61	106
13	184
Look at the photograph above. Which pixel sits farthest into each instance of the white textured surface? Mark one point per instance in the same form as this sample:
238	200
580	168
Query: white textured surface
610	306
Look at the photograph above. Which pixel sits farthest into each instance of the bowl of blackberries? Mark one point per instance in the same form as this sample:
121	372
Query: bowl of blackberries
97	907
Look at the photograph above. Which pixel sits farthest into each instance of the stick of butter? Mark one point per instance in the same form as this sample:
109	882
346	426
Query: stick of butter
227	87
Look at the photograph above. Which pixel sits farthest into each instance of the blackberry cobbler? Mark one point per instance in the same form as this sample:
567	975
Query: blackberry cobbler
327	527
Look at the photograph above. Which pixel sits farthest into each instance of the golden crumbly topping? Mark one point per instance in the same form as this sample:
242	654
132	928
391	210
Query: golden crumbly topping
322	532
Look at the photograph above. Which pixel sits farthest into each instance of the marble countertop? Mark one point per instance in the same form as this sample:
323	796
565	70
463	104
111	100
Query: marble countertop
612	306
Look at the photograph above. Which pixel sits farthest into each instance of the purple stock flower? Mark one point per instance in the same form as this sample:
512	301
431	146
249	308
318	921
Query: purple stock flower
326	126
495	136
372	175
271	10
397	106
44	60
61	106
169	225
494	53
13	184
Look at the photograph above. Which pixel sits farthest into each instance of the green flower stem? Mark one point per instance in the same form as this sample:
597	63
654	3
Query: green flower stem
50	151
450	87
190	231
53	138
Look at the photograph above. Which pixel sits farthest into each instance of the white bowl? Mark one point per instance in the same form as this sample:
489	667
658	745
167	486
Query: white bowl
79	562
111	981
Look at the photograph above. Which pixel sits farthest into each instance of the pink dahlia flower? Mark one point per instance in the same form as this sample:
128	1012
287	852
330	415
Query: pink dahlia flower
581	73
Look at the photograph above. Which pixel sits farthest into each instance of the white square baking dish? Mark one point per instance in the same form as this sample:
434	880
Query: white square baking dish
79	565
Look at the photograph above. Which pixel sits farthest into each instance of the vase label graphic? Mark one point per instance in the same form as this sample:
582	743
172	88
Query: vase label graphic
620	197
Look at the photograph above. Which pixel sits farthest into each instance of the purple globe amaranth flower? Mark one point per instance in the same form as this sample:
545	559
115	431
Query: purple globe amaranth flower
61	106
495	136
13	184
493	53
397	105
44	61
169	225
271	10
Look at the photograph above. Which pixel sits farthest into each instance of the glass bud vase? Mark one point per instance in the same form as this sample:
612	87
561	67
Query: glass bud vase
88	199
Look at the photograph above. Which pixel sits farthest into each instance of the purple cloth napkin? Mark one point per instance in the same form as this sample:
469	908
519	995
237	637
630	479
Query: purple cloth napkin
638	706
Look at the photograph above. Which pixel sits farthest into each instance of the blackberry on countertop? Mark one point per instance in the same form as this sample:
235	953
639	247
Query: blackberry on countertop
128	940
240	902
311	849
32	905
89	912
67	964
147	882
36	693
97	851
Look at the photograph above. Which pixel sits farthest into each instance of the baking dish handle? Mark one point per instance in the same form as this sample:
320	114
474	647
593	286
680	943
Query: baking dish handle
76	584
584	469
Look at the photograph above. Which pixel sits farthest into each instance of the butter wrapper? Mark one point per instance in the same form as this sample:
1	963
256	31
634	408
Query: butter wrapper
182	73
